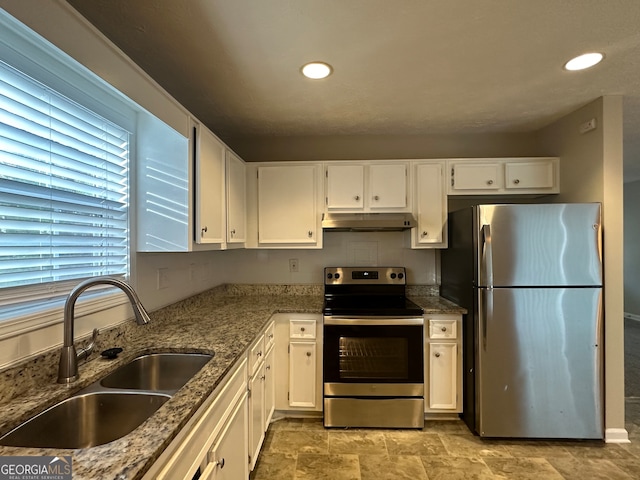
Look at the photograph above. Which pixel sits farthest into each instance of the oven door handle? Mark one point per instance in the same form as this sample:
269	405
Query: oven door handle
380	321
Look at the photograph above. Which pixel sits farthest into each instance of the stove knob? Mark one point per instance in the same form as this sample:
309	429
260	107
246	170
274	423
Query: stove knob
393	275
337	275
329	276
401	276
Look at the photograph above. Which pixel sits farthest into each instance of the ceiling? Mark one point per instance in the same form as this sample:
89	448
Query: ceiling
400	67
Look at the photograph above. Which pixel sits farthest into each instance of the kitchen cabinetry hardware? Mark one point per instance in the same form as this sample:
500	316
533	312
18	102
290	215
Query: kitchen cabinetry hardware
489	182
437	354
310	234
376	197
444	329
204	230
425	234
516	181
357	197
308	354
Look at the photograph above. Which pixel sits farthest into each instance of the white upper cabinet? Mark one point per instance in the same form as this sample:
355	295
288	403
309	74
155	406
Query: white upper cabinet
210	188
236	199
430	202
345	187
367	187
287	205
504	176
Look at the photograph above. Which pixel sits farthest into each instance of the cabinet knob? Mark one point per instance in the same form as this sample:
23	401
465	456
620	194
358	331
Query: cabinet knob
357	197
271	335
203	231
220	463
437	355
308	354
302	329
516	181
444	329
263	377
376	197
425	234
489	182
268	367
233	232
310	233
259	354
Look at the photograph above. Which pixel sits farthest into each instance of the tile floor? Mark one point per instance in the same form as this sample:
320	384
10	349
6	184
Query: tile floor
296	449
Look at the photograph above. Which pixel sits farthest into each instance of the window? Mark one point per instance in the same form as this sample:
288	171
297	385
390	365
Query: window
63	188
65	142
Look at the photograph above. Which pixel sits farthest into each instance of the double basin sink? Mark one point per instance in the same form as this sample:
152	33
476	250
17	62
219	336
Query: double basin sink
111	407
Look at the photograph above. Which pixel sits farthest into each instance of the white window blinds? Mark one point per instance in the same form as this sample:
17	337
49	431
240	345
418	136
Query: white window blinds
64	190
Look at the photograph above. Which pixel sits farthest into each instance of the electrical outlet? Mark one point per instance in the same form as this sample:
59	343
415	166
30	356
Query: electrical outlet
293	264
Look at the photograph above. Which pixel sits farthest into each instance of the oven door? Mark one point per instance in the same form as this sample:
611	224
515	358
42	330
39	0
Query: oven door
373	357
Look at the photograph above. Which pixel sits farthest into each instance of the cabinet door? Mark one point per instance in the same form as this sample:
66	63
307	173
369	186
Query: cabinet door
287	211
388	187
534	174
345	187
256	414
476	176
210	188
443	371
236	199
302	374
269	388
228	458
431	204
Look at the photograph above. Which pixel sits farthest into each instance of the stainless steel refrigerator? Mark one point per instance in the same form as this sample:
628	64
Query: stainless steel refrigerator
530	277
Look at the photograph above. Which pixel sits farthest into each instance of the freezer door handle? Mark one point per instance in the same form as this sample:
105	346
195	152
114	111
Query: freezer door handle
487	257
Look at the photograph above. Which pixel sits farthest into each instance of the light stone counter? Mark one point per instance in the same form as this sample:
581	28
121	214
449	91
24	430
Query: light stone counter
224	321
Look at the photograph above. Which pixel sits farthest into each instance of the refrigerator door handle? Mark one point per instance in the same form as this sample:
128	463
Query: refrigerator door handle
487	256
486	312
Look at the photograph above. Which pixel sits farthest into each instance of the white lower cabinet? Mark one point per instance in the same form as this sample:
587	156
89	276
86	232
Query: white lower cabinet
443	363
298	354
302	369
219	426
261	390
226	461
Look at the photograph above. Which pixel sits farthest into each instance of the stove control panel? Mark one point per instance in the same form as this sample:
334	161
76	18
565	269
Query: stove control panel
364	276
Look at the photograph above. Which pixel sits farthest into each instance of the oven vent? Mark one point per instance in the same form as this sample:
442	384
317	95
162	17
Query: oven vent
367	222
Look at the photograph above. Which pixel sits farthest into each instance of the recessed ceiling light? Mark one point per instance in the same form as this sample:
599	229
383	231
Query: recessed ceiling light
316	70
584	61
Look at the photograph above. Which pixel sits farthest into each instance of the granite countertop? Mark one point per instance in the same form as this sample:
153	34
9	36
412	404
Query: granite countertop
223	321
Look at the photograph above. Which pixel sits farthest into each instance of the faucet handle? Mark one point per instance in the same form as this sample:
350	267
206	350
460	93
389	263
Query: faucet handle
84	353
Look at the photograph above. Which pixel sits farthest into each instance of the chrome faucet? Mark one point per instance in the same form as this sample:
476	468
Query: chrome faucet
68	368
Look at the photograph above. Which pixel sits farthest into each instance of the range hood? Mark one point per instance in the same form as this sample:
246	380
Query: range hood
367	222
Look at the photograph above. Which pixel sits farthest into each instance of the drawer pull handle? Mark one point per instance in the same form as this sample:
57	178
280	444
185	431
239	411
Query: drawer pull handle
302	329
437	354
444	329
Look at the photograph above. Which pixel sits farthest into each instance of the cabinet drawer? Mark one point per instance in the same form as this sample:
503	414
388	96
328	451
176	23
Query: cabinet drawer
302	329
443	329
256	355
269	336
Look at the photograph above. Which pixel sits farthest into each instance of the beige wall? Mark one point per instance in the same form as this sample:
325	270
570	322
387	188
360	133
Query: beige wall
381	147
591	171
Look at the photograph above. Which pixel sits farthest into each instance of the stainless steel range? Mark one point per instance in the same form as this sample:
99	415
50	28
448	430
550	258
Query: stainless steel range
373	349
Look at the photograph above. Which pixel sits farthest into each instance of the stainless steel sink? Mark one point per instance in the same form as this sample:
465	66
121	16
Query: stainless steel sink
159	371
86	420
